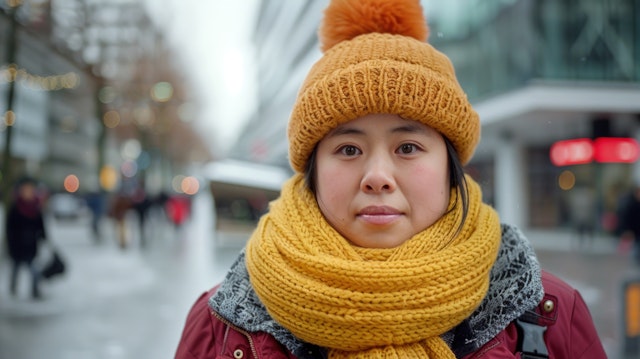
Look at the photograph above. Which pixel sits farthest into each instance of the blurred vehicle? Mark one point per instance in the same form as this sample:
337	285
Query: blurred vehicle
66	206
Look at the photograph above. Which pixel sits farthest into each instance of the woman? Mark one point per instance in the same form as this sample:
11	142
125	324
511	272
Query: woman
25	230
380	246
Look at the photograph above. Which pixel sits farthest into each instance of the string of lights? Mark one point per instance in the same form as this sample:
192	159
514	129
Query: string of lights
14	3
13	73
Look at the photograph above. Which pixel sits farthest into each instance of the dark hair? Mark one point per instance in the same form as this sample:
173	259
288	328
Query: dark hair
457	178
25	180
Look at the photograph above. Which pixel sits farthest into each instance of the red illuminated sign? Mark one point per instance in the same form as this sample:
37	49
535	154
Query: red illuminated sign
615	149
602	149
572	152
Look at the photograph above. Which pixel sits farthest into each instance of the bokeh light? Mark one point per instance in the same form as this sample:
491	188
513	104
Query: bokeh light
107	94
12	73
14	3
71	183
144	116
162	91
566	180
108	178
129	168
111	119
190	185
131	149
176	183
9	118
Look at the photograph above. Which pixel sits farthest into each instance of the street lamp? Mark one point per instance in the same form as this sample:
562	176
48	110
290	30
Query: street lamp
9	116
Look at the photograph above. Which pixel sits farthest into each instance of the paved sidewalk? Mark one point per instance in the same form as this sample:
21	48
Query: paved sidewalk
113	303
567	241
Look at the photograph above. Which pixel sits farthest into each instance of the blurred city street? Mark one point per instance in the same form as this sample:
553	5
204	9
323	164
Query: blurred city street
115	303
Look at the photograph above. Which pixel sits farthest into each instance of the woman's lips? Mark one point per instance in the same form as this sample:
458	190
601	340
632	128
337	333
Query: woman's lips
379	215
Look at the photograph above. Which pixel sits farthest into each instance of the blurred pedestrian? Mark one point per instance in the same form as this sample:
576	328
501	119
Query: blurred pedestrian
178	209
380	245
583	214
25	231
120	205
629	222
141	204
96	203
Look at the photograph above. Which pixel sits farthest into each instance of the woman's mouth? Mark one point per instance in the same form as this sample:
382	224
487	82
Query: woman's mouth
379	215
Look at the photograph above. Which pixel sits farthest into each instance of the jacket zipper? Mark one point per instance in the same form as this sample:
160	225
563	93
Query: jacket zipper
241	331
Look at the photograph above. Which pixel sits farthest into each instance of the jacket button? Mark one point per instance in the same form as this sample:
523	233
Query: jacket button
238	354
548	306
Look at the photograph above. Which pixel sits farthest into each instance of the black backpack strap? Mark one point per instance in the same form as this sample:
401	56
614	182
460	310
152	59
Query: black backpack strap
531	343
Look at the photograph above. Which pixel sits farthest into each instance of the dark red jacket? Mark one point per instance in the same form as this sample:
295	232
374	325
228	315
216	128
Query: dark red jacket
570	332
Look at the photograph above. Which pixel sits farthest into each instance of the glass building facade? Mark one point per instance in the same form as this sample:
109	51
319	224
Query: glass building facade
537	72
501	47
498	46
84	77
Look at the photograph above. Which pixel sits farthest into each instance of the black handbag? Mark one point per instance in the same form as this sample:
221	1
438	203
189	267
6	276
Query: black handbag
54	267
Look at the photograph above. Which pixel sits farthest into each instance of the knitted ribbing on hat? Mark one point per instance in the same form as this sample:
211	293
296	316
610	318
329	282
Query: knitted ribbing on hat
371	303
376	60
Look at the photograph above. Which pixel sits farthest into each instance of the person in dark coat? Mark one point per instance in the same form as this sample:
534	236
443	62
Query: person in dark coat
96	202
630	221
141	204
25	230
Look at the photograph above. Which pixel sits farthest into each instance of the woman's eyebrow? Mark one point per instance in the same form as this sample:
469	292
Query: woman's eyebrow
344	130
410	128
404	128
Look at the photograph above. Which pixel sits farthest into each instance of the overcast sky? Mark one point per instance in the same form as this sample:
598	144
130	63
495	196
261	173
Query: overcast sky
214	40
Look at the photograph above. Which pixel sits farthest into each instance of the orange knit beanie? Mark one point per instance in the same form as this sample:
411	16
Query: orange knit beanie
376	60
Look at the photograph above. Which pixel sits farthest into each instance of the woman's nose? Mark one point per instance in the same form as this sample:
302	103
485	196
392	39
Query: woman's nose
378	176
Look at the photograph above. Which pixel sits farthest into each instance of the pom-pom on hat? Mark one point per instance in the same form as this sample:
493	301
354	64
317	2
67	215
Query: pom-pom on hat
376	60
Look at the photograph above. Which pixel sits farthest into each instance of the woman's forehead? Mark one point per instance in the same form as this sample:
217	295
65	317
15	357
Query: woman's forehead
386	122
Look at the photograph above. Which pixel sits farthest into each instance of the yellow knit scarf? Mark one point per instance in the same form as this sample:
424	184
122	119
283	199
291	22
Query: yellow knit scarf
371	303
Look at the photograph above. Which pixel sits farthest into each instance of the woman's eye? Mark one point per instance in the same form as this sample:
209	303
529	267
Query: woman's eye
407	148
349	150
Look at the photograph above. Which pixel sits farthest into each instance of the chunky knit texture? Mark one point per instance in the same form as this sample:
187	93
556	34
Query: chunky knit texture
371	303
514	286
379	65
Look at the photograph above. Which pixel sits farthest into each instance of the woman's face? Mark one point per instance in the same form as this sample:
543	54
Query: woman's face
27	191
381	179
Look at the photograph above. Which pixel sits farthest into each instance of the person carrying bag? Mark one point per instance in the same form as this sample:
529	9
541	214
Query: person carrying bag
25	231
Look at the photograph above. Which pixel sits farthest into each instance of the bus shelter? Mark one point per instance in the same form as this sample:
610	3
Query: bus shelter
241	194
